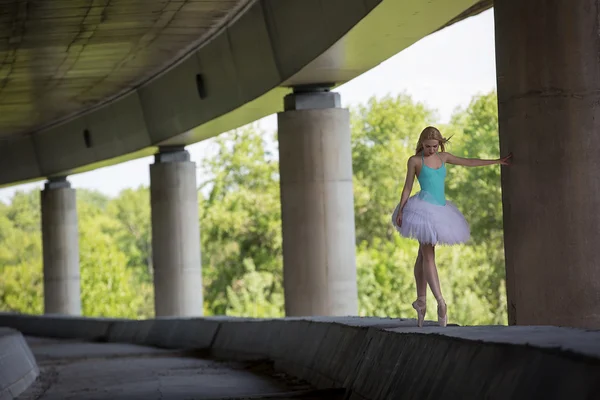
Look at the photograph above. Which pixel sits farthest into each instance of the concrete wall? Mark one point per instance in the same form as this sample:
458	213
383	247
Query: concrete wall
371	358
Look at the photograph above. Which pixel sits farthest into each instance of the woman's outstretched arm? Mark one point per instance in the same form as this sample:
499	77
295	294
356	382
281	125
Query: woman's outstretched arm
411	171
475	162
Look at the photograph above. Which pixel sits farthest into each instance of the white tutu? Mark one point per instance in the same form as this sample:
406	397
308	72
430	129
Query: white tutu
431	223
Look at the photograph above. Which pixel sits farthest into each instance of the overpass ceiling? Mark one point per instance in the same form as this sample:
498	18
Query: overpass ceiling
59	57
90	83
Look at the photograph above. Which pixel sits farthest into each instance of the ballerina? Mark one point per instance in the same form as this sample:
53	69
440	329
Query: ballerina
428	217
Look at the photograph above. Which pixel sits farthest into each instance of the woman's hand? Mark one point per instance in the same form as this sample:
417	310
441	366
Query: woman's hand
505	160
399	219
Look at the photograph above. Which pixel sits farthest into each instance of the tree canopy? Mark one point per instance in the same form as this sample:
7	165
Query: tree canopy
240	224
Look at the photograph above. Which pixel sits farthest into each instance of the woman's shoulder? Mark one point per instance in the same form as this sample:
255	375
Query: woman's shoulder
414	159
444	155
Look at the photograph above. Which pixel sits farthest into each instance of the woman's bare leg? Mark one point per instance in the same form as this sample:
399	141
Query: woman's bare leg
431	275
420	304
420	277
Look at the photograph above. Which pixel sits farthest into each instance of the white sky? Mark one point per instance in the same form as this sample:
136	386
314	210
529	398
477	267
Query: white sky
444	70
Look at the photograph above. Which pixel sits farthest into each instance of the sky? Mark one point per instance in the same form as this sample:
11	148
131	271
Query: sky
444	71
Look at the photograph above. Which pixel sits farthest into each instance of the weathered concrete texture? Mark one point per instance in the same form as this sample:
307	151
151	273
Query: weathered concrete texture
437	365
175	236
549	117
18	368
376	358
572	340
317	206
123	371
60	242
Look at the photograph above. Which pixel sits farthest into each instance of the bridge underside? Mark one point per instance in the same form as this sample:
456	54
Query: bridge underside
89	83
61	57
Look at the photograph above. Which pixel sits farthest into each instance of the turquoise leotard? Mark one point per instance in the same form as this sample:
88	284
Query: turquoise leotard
432	183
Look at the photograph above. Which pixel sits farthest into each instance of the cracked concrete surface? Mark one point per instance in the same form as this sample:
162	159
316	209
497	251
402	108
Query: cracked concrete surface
83	370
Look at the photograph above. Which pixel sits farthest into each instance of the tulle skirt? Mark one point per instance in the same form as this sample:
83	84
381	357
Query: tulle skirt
432	224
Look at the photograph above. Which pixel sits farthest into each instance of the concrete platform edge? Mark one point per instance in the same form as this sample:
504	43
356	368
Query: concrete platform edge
370	358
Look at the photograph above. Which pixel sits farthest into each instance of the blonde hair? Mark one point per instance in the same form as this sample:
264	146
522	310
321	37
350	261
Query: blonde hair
431	133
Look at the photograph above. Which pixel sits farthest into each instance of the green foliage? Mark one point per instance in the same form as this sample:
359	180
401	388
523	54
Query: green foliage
241	227
21	279
256	294
133	229
240	219
385	277
108	287
21	288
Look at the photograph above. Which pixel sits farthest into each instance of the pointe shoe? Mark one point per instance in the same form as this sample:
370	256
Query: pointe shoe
443	320
421	310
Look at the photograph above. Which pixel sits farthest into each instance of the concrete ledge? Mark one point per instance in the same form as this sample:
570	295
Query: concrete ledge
59	326
184	333
371	358
18	368
125	331
170	333
440	364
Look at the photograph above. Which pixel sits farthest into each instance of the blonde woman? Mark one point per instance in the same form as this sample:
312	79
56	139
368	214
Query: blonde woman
428	217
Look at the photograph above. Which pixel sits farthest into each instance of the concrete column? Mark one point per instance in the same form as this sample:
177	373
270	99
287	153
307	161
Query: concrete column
549	116
60	242
317	205
175	235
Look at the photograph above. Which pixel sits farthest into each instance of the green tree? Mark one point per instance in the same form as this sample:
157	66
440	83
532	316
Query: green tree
21	235
108	288
21	288
241	227
133	230
240	223
256	294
